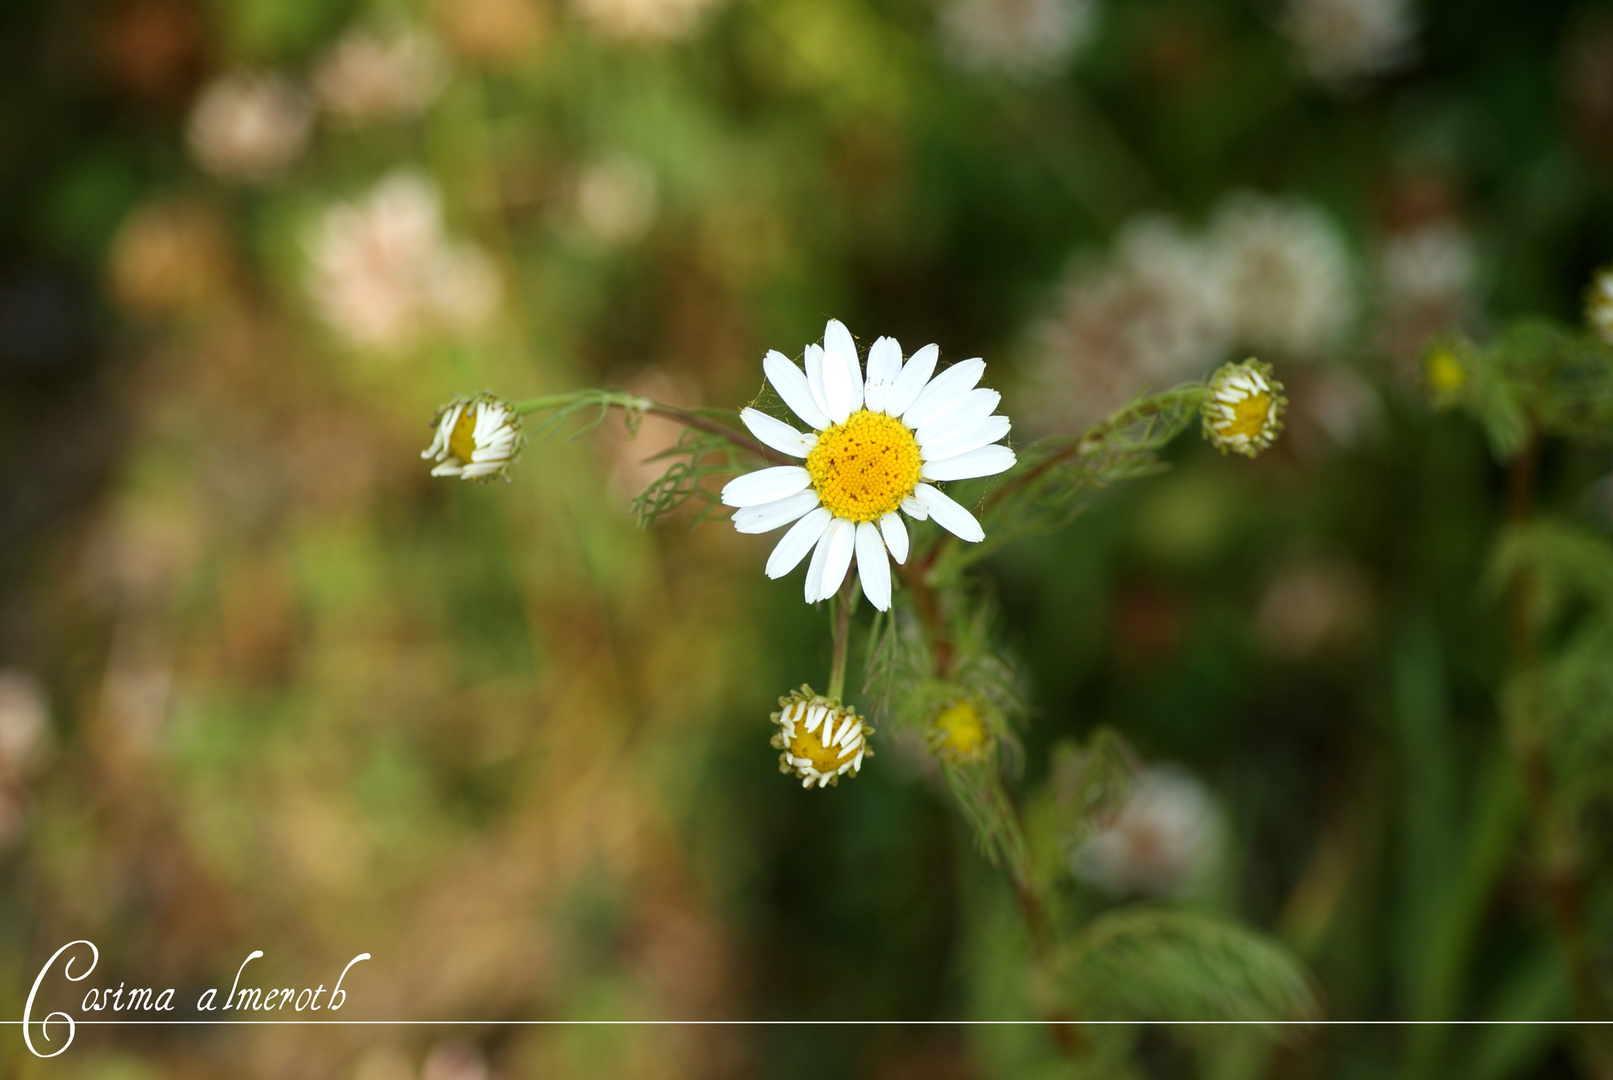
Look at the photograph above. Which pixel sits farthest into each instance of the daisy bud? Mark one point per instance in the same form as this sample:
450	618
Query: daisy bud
1243	408
1599	304
477	438
959	733
1444	374
819	738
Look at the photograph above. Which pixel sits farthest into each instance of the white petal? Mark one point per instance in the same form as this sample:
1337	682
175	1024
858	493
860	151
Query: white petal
955	380
914	377
873	568
837	340
961	440
794	545
842	376
777	434
961	411
792	387
773	515
985	461
948	514
884	364
842	543
895	535
915	509
814	574
765	485
814	372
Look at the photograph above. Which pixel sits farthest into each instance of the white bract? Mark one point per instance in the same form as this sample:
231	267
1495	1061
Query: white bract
879	443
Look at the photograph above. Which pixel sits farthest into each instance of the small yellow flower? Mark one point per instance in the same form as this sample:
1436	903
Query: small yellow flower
819	739
959	732
1445	374
1599	304
1243	408
477	438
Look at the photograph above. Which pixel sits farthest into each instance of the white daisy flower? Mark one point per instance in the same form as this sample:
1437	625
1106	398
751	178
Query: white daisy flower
1243	408
477	438
879	444
819	739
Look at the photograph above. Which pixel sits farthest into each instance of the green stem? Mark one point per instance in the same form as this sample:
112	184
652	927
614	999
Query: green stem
840	607
1556	839
634	403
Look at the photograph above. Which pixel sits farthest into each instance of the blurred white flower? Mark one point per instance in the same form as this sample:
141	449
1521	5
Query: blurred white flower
615	200
1427	279
1311	604
1288	275
1341	42
1599	304
24	722
1024	39
367	74
638	20
1432	264
382	271
1163	842
454	1061
1154	313
493	31
248	128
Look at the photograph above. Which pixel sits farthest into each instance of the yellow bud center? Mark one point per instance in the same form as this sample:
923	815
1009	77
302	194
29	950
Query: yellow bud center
1248	416
461	440
1445	373
961	729
864	468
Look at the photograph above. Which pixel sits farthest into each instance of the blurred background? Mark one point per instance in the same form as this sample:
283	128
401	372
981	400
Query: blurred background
265	684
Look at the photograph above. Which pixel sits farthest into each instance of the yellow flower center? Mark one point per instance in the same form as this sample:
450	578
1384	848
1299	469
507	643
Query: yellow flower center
1248	416
864	468
461	440
961	729
1445	372
809	744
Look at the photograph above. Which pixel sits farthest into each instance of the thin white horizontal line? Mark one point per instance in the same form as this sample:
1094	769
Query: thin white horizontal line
828	1022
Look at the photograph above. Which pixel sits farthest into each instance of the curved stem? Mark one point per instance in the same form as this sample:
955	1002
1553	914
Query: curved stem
633	403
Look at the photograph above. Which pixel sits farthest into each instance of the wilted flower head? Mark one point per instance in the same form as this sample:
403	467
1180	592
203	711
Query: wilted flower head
1162	843
247	127
1243	408
382	272
1341	42
644	19
366	74
1599	305
478	438
1020	38
1288	274
819	739
1155	312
